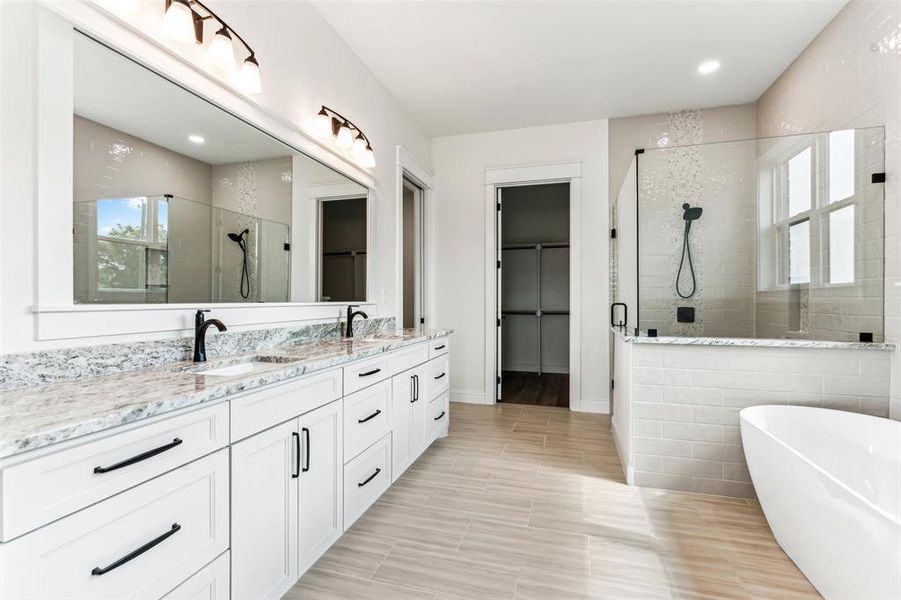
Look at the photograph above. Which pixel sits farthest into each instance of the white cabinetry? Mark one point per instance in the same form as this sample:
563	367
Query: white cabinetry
409	403
264	498
321	484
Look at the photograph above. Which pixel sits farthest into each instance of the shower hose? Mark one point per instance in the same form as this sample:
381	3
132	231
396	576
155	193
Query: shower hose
245	276
686	250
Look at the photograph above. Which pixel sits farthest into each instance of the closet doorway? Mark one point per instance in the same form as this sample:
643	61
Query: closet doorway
342	250
413	254
533	294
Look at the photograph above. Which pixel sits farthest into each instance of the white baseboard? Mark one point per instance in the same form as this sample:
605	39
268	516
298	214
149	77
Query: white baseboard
596	405
468	396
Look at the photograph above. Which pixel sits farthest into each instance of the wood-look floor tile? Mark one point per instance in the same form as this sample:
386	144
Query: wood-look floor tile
446	572
529	502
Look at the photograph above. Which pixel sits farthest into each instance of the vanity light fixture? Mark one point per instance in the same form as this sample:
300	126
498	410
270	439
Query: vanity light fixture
342	130
184	21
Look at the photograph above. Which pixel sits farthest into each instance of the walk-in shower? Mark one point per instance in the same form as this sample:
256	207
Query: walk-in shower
790	245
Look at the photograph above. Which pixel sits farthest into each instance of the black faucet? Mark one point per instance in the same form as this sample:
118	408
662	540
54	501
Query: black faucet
201	324
349	332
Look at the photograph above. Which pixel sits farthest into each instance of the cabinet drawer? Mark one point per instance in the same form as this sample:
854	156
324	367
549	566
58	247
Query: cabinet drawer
139	544
366	418
439	346
403	360
42	490
366	372
437	376
209	583
365	479
266	408
439	416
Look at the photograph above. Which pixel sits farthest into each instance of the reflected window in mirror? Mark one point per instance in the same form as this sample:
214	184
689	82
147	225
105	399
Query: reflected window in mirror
343	249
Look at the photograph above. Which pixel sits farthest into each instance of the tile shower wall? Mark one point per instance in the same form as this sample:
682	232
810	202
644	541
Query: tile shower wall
855	62
720	179
686	401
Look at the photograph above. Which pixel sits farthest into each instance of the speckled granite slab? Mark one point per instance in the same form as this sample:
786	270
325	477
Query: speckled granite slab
34	417
751	342
40	368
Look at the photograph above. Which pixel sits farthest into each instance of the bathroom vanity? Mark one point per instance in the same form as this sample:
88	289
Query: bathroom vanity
226	480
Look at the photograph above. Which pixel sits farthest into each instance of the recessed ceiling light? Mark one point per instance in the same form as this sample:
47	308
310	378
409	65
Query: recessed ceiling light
708	67
197	139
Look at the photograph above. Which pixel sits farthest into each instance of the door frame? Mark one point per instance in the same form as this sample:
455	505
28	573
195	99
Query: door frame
408	167
501	177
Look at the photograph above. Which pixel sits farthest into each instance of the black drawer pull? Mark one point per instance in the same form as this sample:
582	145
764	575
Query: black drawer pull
306	464
370	417
440	376
136	553
372	372
441	347
439	417
139	457
370	478
296	472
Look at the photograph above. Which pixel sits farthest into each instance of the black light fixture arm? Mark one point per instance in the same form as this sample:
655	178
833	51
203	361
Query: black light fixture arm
338	119
199	19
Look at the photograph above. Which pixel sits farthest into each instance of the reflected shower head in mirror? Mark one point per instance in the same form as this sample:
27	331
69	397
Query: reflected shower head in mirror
238	238
691	214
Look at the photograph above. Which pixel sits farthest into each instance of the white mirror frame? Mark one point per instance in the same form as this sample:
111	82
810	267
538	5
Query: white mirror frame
57	316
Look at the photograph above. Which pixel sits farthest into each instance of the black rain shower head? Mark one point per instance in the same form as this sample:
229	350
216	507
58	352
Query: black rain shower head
238	237
691	214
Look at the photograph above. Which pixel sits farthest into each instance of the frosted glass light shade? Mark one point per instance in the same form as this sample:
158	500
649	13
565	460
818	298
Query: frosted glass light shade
345	137
323	124
359	147
250	76
178	21
368	158
221	49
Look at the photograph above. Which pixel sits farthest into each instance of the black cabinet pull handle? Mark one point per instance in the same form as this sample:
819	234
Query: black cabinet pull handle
372	372
370	417
139	457
296	472
306	464
136	553
439	417
413	395
440	376
370	478
416	389
441	347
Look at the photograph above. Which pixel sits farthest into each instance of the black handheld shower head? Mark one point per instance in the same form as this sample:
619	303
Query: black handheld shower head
238	238
691	214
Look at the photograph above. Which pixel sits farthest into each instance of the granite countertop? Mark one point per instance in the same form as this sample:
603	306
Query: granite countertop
751	342
35	417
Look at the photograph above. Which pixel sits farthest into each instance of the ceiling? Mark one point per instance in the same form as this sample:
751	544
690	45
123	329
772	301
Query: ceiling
119	93
480	65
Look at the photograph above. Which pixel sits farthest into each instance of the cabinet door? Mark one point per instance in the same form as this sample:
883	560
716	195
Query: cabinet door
264	513
402	402
321	482
419	414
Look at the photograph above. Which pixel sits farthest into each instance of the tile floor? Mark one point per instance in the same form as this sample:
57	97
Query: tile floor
528	502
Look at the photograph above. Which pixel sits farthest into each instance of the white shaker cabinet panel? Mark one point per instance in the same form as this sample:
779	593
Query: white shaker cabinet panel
209	583
136	545
265	468
409	407
321	482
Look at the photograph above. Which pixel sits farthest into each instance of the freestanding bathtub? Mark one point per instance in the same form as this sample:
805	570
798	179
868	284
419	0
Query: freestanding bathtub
829	483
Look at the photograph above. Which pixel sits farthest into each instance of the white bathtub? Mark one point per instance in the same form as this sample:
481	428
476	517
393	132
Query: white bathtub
829	483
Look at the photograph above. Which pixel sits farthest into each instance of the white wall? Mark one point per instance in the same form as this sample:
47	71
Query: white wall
458	243
304	64
841	81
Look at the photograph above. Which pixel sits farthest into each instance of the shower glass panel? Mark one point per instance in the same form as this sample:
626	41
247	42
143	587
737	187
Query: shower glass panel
767	238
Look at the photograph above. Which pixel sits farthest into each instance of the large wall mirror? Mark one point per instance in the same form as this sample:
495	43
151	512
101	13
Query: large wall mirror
179	201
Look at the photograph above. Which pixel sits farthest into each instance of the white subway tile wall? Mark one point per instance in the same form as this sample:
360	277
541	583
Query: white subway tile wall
687	401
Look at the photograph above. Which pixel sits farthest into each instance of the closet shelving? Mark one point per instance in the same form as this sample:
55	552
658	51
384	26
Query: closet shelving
539	311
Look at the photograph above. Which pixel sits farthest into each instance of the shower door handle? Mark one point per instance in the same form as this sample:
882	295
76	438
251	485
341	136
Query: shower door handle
625	320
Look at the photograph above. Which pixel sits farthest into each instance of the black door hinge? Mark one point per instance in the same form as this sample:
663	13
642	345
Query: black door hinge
421	320
611	384
613	233
498	378
878	178
498	322
498	207
498	264
287	247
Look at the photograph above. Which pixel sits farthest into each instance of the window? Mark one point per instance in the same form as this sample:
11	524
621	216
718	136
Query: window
841	165
841	245
131	245
799	252
799	188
